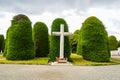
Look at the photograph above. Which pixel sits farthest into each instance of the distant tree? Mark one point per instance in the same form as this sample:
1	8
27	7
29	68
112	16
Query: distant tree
79	45
94	39
20	44
119	43
55	40
113	43
6	44
41	41
2	43
74	40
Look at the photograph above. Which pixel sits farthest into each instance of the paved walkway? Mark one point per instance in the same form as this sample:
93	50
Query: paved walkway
46	72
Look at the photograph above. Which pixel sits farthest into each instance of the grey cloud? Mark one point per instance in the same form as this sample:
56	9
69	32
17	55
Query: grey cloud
55	6
39	6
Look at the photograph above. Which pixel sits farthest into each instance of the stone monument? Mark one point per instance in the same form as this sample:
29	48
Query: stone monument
61	58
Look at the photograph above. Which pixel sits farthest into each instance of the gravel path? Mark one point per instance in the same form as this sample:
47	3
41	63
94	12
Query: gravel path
46	72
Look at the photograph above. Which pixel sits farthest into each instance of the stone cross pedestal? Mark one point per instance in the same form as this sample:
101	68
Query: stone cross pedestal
61	34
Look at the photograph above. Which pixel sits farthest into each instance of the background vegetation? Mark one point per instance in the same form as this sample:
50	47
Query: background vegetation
41	41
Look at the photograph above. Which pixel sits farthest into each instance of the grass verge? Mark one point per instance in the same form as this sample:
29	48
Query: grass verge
42	61
76	60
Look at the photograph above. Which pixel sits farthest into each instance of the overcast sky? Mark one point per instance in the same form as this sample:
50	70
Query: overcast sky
73	11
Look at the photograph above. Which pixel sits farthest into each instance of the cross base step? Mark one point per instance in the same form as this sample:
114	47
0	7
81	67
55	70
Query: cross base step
61	63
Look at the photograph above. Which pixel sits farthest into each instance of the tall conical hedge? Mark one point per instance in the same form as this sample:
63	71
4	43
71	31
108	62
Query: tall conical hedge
94	40
55	40
2	43
79	45
6	44
20	43
113	43
41	41
74	41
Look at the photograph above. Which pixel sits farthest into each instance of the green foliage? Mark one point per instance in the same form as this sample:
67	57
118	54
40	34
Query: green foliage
113	43
6	44
74	40
119	43
2	43
55	40
94	39
41	41
20	45
79	45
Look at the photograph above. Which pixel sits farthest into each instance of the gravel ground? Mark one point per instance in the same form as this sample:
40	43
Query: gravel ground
47	72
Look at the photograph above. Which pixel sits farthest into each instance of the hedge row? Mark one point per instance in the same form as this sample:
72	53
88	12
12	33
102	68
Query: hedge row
93	41
55	40
40	36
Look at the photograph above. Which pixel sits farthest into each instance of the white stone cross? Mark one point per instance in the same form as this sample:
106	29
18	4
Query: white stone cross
61	34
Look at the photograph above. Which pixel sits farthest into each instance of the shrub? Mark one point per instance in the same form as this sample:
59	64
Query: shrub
55	40
119	43
2	43
6	40
20	45
74	41
40	34
113	43
79	45
94	40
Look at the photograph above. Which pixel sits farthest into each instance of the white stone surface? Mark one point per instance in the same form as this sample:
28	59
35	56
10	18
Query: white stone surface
61	64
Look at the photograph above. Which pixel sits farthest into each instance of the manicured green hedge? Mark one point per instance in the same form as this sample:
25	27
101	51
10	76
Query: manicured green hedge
41	41
20	44
113	43
79	45
2	43
74	41
55	40
94	40
118	43
6	44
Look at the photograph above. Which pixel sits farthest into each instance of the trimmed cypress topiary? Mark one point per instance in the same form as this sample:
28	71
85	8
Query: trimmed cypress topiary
113	43
74	40
94	40
6	43
2	43
20	45
79	45
40	35
55	40
118	43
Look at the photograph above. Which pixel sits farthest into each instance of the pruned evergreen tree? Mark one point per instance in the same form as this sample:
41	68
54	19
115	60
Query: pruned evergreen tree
79	44
5	49
41	41
20	44
74	40
113	43
118	43
94	39
55	40
2	43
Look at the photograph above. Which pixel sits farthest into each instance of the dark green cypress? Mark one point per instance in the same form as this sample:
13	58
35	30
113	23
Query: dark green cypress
113	43
41	41
74	40
2	43
79	45
94	39
6	44
20	45
55	40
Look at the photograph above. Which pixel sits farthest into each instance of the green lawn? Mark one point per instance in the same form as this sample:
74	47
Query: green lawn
76	60
42	61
